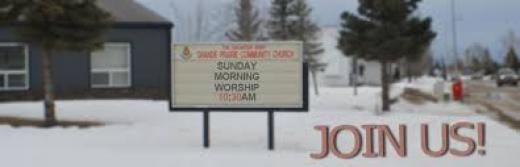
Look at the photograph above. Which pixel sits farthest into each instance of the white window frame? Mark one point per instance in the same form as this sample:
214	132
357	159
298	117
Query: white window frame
24	72
111	71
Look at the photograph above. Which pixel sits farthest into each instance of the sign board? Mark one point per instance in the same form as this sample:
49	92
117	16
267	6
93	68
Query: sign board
238	76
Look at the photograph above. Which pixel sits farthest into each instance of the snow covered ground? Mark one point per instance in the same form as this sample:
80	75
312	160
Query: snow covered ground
143	133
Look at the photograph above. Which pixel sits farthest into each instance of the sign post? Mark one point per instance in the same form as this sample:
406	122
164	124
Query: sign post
270	131
206	128
239	77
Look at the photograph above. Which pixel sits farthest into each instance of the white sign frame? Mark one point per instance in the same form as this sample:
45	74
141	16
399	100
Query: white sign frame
303	92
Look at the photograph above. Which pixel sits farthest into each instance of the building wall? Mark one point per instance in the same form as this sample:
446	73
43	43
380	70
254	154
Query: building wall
372	73
150	51
339	70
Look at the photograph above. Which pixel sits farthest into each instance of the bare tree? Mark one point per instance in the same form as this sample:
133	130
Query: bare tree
419	66
477	58
203	22
510	40
423	65
473	56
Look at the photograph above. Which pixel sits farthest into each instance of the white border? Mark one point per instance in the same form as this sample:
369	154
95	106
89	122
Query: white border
241	106
110	71
24	72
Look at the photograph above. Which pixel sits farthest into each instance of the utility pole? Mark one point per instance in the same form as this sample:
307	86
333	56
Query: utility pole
454	30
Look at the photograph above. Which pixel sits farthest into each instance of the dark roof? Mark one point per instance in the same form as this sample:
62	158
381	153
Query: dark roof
129	11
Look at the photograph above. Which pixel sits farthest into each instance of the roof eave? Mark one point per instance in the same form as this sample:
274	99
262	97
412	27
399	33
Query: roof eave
168	25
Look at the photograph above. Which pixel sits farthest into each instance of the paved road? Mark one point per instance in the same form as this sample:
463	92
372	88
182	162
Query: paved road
505	100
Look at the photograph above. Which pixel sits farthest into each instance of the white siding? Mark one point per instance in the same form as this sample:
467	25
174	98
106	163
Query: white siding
339	67
372	75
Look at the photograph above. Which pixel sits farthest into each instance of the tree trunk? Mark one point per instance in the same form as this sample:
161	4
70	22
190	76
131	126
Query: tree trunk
356	73
48	88
386	86
315	81
409	71
444	71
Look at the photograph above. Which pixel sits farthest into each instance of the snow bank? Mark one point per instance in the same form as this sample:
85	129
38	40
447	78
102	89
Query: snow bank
144	133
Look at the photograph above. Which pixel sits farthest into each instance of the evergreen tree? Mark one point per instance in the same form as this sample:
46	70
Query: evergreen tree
56	25
385	31
350	41
280	23
248	23
488	64
290	20
475	64
305	30
512	60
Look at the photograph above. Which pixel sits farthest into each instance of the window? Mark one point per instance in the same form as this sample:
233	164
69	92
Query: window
110	67
13	66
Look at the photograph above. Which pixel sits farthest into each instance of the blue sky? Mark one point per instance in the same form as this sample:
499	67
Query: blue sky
479	21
